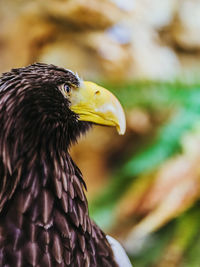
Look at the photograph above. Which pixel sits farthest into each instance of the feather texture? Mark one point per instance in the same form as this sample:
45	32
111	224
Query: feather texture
44	218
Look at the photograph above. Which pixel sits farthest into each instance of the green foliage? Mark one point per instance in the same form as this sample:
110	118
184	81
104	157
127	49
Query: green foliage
182	234
155	247
192	257
153	95
185	100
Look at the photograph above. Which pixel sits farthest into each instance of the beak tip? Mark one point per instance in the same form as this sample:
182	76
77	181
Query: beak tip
121	132
121	127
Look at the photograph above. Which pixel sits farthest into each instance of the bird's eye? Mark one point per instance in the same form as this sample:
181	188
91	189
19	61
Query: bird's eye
67	88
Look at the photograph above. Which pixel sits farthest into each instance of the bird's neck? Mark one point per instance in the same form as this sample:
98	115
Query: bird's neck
43	182
46	216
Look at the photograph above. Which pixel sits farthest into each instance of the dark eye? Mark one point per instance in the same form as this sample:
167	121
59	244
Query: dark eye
67	88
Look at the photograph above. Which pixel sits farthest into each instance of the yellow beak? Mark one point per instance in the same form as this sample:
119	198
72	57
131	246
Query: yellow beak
96	104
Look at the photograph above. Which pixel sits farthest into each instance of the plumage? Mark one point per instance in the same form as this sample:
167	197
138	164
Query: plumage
44	218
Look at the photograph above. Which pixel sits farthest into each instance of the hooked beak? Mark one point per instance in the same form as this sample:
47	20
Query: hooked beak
96	104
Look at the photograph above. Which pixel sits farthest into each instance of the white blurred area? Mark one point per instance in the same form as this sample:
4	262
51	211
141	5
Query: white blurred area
103	40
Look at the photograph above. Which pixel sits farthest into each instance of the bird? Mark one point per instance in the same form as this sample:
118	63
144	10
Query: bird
44	217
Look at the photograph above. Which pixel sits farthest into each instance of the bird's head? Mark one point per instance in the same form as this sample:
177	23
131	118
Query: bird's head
40	95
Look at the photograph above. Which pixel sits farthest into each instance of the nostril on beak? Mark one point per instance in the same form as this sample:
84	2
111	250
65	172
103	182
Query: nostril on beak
97	92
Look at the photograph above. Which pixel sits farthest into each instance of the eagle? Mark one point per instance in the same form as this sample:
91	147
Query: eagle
44	218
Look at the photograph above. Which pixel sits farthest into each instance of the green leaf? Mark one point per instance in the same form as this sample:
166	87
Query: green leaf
154	247
166	143
156	95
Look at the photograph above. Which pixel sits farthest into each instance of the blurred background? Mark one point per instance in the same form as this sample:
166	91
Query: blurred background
144	187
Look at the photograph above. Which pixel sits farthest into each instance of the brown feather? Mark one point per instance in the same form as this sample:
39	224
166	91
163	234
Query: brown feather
67	257
58	186
43	208
57	249
32	253
62	224
64	181
46	205
64	202
46	261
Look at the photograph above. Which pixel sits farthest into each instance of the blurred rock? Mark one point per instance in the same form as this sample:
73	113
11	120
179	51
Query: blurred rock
113	57
90	14
22	33
119	36
148	58
186	28
127	5
155	13
85	54
151	60
70	55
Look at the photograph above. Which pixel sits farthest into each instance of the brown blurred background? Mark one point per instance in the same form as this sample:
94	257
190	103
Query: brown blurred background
144	187
108	39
